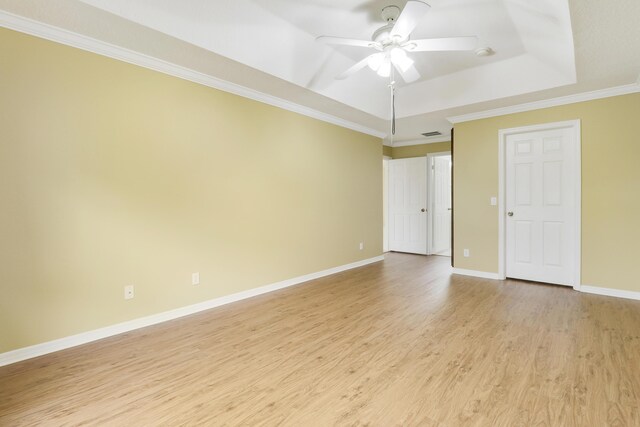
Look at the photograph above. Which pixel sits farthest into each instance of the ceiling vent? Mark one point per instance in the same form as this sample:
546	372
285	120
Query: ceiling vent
430	134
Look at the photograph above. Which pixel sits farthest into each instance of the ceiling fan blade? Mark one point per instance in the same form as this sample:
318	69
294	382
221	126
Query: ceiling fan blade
354	68
348	42
409	18
443	44
409	75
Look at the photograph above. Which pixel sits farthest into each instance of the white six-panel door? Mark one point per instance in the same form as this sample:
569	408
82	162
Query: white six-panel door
408	205
540	205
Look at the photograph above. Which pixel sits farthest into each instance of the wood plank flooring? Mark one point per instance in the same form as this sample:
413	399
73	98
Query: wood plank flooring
401	342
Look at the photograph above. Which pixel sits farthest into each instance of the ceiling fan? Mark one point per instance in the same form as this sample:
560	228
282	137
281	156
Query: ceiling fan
393	43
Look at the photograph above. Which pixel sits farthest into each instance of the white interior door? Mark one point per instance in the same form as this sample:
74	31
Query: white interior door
441	206
408	205
540	205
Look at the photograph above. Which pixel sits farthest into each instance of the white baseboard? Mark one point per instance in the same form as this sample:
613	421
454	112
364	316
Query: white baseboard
86	337
618	293
474	273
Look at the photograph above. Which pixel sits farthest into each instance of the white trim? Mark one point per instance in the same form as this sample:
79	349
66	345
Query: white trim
385	203
429	204
432	140
501	209
546	103
69	38
89	336
618	293
439	154
577	275
609	292
430	197
475	273
577	243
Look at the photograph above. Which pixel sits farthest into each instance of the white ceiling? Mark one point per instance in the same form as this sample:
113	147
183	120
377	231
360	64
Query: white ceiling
543	49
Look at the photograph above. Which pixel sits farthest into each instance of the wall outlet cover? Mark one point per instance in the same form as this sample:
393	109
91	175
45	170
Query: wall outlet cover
128	292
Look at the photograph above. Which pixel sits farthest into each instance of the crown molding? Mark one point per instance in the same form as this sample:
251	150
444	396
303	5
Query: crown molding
70	38
546	103
432	140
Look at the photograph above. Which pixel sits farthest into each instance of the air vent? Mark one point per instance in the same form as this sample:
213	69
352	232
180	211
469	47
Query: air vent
430	134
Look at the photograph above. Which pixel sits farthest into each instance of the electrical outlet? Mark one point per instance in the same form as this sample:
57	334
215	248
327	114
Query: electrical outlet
195	278
466	253
361	246
128	292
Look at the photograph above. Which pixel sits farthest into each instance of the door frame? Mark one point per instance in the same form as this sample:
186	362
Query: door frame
430	198
385	203
574	125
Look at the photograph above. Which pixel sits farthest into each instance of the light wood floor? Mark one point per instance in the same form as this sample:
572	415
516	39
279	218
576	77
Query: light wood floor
400	342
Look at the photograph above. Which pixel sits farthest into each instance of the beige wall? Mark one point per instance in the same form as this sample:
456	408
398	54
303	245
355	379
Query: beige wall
111	174
419	150
610	188
387	151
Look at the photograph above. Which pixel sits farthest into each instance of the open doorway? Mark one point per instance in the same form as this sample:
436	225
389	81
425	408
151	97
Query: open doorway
417	204
439	195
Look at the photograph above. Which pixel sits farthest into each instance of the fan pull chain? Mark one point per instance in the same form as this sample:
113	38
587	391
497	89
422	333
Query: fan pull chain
393	110
392	87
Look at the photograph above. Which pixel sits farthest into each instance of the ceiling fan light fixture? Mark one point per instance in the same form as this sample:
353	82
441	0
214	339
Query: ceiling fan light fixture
375	61
400	59
404	64
397	53
385	68
393	43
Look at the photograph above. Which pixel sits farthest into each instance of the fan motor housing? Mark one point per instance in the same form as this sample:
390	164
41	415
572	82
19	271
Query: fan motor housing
383	34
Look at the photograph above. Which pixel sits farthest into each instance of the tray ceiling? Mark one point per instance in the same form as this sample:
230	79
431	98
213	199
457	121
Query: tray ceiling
541	49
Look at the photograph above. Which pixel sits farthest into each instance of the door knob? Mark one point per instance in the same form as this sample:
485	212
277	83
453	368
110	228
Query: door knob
423	210
510	213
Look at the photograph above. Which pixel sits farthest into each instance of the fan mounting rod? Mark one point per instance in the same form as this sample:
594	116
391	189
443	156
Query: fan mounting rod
390	13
